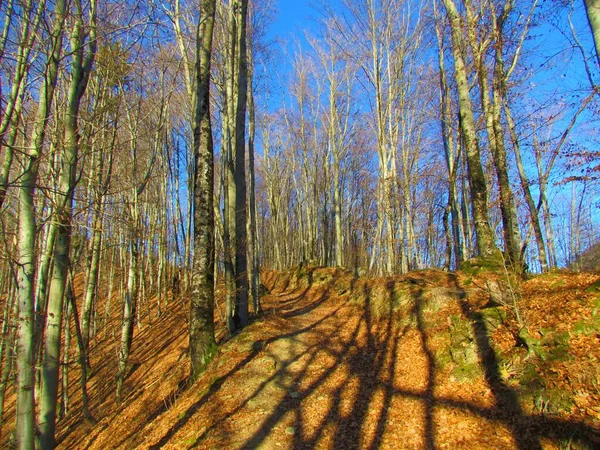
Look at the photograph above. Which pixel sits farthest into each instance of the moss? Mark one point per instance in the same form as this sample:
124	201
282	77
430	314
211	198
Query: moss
534	346
558	283
586	327
443	358
436	298
530	380
558	353
493	317
385	298
562	338
400	295
594	287
554	401
469	268
462	347
493	263
467	372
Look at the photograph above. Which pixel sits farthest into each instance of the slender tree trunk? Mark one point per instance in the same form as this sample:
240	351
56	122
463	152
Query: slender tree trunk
253	238
64	397
129	311
202	337
512	234
81	67
241	263
70	294
526	187
25	412
230	191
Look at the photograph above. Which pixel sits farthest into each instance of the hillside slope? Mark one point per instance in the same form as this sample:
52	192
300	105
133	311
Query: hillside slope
420	361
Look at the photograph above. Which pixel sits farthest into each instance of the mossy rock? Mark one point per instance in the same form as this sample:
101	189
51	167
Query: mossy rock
387	298
534	346
493	317
437	298
460	330
554	345
561	338
462	346
464	355
493	263
443	358
343	285
400	295
558	353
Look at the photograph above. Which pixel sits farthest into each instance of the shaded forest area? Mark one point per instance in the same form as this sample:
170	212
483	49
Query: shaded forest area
157	158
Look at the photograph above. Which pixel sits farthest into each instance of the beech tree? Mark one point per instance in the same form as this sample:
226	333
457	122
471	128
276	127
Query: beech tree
202	337
29	165
477	182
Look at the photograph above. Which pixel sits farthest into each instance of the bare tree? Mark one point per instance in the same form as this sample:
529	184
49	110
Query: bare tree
477	182
202	337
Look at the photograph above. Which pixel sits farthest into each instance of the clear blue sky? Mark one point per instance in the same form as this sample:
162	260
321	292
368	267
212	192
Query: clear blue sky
292	17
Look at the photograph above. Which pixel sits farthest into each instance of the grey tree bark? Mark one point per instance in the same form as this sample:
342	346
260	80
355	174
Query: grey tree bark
83	50
241	241
477	182
254	273
202	338
25	412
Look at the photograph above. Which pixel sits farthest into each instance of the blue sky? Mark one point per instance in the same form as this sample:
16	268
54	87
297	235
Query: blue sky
292	17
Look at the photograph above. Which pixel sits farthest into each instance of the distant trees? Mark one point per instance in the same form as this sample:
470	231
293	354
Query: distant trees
477	185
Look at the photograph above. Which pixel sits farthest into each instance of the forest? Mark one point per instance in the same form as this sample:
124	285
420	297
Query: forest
181	158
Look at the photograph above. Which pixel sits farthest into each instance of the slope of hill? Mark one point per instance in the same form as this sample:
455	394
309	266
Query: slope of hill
426	360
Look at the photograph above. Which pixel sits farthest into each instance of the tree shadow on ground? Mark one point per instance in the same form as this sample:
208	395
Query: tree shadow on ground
365	364
256	349
360	375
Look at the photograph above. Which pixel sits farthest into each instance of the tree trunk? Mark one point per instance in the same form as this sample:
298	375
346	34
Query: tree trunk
241	263
25	412
526	187
129	311
202	337
253	238
477	182
593	14
81	66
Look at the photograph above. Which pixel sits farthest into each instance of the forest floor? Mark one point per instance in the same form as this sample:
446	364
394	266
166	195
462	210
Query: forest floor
426	360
